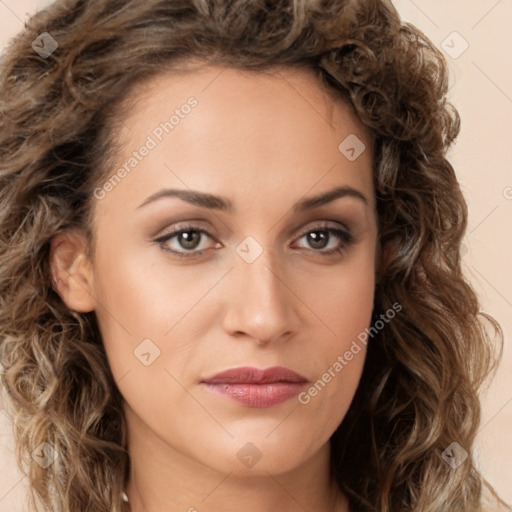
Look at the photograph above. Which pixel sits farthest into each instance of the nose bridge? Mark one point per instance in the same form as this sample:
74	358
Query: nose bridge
261	305
263	278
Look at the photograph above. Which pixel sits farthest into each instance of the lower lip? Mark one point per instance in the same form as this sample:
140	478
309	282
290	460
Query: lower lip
258	395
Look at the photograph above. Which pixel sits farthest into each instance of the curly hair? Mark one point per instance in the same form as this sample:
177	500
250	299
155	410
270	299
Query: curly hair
419	390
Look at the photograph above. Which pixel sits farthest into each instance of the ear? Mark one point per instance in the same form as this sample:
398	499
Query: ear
71	271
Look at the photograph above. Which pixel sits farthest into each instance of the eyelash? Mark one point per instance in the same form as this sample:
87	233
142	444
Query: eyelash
347	238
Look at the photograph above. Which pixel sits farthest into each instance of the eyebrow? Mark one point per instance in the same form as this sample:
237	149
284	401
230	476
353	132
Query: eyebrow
215	202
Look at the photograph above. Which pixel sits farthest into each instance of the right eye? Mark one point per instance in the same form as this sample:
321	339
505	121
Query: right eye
188	238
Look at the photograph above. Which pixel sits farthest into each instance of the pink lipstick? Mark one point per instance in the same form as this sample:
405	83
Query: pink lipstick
253	387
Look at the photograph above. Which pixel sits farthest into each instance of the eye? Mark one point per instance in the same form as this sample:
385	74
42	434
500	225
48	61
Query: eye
319	238
187	240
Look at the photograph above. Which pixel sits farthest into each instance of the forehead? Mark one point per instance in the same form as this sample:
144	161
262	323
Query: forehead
291	90
275	129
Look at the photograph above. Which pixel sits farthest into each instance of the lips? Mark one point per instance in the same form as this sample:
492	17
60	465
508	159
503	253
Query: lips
255	387
251	375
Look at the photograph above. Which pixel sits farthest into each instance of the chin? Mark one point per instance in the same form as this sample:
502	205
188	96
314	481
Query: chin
257	455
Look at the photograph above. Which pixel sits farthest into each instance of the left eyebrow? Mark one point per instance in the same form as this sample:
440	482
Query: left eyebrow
205	200
308	203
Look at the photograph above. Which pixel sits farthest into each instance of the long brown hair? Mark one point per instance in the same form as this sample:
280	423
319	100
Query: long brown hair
419	388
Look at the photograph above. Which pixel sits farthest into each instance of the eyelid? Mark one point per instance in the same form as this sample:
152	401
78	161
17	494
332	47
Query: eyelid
347	238
188	225
168	235
343	233
324	225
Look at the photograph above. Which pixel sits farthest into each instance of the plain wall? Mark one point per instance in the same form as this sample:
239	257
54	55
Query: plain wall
481	90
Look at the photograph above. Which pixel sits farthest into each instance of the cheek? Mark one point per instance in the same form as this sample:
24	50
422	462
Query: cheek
344	302
149	316
141	292
345	306
130	309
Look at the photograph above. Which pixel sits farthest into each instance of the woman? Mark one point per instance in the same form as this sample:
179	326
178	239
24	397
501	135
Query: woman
230	264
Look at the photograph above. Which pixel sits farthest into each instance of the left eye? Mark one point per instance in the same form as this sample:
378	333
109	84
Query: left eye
189	239
318	238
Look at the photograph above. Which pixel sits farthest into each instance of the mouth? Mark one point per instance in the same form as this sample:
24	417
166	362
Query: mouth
253	387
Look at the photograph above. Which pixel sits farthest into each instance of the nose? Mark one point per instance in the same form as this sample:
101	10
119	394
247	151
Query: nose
261	305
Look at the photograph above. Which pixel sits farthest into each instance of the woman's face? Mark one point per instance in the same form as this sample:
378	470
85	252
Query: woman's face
255	279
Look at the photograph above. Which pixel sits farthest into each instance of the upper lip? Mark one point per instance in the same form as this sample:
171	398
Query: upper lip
249	375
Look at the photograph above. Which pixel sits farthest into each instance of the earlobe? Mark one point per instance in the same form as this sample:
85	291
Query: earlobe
71	271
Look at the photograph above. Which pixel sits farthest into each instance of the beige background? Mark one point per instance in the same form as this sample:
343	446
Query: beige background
481	89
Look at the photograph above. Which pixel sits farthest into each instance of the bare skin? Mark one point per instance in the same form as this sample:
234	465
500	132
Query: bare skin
263	141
